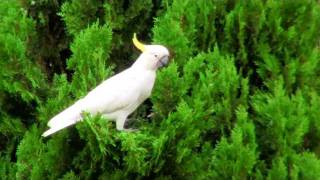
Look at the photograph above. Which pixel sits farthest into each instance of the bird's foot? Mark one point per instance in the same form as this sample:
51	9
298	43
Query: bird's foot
150	115
130	130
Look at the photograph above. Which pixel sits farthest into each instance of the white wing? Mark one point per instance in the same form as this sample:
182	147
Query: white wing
116	93
113	94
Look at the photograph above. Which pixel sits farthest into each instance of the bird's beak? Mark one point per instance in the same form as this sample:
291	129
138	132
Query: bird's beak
138	44
164	61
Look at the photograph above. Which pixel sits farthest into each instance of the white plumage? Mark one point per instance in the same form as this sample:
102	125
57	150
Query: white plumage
117	97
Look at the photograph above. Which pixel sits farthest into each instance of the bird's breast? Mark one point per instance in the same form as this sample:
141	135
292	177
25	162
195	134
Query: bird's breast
147	83
143	85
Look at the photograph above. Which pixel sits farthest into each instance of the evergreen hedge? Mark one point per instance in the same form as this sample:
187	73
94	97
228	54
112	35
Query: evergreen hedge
239	100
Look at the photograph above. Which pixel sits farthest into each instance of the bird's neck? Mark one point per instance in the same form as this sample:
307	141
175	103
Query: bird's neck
142	63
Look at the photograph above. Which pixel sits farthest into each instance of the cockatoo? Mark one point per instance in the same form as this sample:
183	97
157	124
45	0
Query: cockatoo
117	97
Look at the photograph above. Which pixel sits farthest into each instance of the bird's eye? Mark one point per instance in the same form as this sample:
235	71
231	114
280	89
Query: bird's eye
156	56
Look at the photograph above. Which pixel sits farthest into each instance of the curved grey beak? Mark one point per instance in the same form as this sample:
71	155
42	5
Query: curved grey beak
163	61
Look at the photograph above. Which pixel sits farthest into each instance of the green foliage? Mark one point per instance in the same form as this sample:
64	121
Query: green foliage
49	46
236	159
306	166
21	80
126	18
28	163
239	100
79	14
170	83
8	169
16	29
90	50
278	170
281	117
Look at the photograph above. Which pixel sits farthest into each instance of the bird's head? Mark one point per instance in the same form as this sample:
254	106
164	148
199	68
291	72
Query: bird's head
152	56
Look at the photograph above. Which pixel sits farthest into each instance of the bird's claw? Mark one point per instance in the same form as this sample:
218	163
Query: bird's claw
150	115
130	130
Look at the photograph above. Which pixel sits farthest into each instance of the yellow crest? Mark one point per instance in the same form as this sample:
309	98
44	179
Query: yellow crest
137	43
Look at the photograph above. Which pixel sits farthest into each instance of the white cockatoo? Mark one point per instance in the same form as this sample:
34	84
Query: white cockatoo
117	97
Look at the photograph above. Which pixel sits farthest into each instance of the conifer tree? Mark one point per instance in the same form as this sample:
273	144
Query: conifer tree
239	100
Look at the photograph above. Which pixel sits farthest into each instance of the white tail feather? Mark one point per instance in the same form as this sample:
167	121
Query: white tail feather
64	119
53	130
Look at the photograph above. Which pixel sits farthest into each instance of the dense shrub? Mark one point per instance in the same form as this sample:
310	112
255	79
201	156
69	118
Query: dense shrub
239	100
